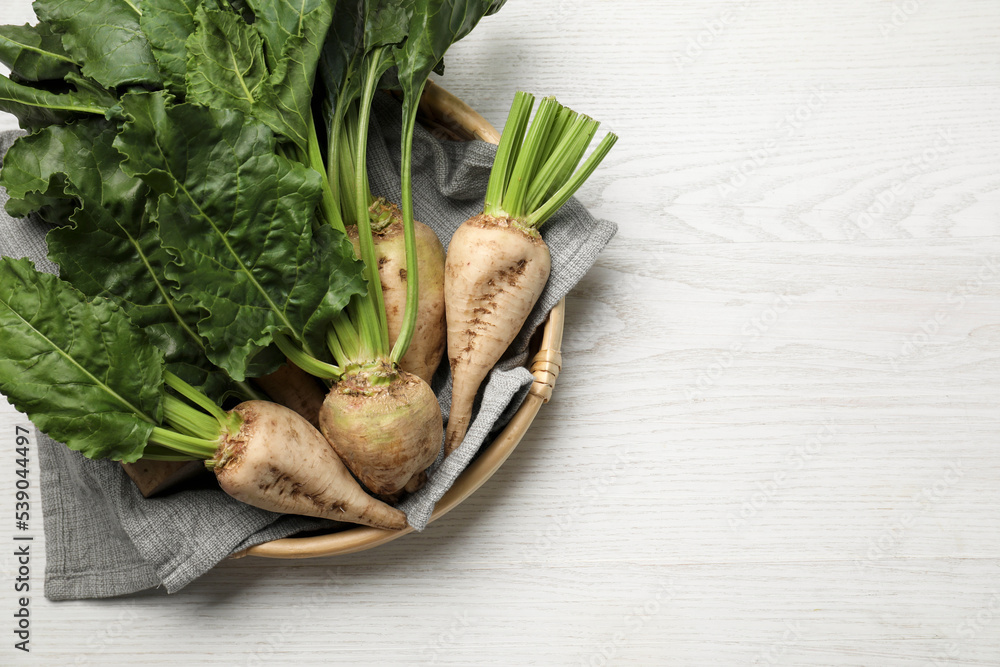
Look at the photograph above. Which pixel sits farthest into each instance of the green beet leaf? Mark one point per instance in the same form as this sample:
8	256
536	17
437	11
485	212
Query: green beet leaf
238	221
434	26
385	22
225	61
37	107
286	105
109	247
167	24
114	251
280	21
34	53
105	37
358	27
39	163
227	67
342	53
79	370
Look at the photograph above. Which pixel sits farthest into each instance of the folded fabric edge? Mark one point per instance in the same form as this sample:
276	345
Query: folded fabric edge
99	584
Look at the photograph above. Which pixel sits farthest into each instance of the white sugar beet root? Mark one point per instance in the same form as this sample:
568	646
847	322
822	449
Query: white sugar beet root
387	434
494	274
277	461
497	263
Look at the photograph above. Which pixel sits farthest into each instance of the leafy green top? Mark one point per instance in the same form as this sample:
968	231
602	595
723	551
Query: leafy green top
238	221
80	370
175	145
34	53
105	37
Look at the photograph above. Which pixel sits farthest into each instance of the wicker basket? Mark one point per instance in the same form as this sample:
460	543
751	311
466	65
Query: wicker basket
446	116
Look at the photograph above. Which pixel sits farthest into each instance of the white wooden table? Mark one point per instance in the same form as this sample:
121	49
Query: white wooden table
776	439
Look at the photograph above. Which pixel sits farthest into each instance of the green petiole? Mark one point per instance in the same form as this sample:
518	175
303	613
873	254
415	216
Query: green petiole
538	169
328	203
564	156
188	420
409	234
528	159
310	365
542	214
230	423
374	328
199	448
345	165
510	145
564	119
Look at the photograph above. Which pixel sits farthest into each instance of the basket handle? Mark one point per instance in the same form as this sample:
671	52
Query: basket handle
547	362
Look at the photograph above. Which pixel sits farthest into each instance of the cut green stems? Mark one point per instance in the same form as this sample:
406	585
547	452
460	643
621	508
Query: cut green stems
564	119
510	145
515	153
548	209
579	142
309	364
536	170
529	158
563	158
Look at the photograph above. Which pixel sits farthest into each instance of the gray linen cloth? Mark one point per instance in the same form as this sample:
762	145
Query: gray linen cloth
104	539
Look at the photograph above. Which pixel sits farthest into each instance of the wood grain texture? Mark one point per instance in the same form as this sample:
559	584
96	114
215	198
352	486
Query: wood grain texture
774	439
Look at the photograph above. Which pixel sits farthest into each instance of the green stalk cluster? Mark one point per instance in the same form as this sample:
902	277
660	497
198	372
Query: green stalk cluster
373	38
359	336
191	434
538	167
410	108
